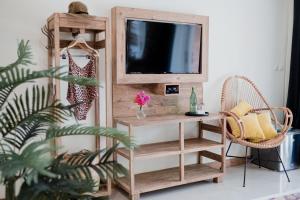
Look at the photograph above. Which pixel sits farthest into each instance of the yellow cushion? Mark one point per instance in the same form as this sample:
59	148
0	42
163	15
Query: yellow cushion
265	123
252	127
234	127
242	108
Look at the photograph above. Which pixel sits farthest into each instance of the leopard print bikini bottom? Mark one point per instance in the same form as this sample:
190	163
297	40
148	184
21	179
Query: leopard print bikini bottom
82	95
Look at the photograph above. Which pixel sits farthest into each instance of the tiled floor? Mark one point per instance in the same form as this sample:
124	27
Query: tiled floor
261	184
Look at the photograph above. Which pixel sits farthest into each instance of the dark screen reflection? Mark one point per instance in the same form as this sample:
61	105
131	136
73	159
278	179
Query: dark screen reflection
156	47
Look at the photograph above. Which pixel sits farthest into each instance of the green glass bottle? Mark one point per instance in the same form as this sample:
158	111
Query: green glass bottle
193	101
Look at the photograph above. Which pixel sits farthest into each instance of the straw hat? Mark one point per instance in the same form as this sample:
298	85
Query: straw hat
77	7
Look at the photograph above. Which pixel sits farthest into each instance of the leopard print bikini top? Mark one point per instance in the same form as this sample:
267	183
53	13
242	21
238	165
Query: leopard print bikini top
82	95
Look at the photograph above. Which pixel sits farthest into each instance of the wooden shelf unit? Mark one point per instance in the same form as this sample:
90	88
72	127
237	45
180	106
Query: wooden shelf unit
170	148
62	24
151	181
135	184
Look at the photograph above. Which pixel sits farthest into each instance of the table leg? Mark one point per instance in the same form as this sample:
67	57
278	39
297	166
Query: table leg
115	155
223	163
181	158
200	135
218	179
131	166
223	141
134	197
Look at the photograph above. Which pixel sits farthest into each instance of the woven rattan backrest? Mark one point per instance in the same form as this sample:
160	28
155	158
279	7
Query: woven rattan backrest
238	88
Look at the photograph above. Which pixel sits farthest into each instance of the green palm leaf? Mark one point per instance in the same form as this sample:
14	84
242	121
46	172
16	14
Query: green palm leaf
81	164
31	162
15	74
25	133
30	116
22	110
56	131
59	189
24	56
13	77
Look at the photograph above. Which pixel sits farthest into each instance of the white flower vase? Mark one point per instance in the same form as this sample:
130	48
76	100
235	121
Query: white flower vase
140	113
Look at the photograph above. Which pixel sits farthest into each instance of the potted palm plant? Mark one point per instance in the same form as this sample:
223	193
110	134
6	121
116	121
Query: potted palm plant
29	124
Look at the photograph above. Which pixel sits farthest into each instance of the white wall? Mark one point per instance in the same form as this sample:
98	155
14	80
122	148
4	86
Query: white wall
247	37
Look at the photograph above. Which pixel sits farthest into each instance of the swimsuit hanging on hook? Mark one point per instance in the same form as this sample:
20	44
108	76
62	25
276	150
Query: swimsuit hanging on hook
82	95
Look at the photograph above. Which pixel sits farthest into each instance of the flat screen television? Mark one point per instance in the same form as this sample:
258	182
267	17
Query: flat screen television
154	47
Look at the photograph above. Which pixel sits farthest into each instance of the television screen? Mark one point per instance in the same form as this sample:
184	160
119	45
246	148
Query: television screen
162	48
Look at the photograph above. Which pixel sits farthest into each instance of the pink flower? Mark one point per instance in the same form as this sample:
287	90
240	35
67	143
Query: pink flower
141	99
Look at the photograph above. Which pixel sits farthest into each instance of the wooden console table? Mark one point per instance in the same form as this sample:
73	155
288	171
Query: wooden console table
135	184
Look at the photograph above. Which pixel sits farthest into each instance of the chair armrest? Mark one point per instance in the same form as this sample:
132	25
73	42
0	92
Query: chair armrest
288	116
238	121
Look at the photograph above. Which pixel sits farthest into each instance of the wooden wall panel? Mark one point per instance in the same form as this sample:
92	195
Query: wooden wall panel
119	17
124	106
123	94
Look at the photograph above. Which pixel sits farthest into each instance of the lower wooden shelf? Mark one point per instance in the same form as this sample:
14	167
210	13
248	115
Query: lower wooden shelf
170	148
166	178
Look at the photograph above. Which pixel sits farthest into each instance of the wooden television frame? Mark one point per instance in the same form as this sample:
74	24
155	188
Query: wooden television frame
119	17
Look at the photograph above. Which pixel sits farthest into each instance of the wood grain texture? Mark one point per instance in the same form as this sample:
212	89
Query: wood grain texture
212	156
75	21
123	95
160	88
218	179
108	87
93	25
165	119
212	128
131	164
95	44
182	174
56	64
108	75
134	197
100	193
162	149
200	136
181	156
166	178
223	141
121	14
124	106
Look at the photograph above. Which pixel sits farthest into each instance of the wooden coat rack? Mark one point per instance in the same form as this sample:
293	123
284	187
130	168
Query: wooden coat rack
59	23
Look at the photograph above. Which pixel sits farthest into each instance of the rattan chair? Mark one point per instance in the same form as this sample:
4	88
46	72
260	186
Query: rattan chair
237	88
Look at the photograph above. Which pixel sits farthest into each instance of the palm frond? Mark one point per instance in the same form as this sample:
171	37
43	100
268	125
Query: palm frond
79	80
49	189
4	93
15	74
111	168
24	53
13	77
75	179
23	110
25	133
32	161
32	114
85	162
56	131
76	166
24	56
